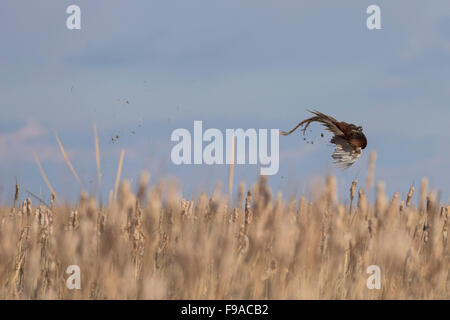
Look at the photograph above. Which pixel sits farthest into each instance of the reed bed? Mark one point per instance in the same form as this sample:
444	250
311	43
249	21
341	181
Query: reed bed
154	244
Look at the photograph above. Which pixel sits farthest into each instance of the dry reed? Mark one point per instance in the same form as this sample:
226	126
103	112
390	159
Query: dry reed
66	158
119	172
157	245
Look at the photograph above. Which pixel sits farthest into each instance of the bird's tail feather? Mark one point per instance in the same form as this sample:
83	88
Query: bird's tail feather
307	121
319	117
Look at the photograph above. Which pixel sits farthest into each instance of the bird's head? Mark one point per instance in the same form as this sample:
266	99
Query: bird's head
363	141
358	139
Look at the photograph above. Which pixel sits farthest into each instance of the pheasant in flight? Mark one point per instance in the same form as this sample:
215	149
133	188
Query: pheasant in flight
348	138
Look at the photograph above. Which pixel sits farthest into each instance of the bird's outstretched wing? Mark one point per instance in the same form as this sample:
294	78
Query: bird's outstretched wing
344	154
330	123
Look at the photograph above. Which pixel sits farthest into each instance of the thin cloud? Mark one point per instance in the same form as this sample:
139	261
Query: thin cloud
17	146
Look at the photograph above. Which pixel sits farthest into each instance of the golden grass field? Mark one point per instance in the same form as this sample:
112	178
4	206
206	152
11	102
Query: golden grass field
154	244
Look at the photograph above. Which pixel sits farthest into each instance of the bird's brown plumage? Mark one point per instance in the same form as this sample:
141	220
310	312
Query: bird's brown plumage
348	138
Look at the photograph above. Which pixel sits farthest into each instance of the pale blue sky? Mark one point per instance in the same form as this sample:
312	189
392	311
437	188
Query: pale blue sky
234	63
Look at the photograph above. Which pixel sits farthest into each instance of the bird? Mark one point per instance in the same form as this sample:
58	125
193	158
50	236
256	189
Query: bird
348	138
